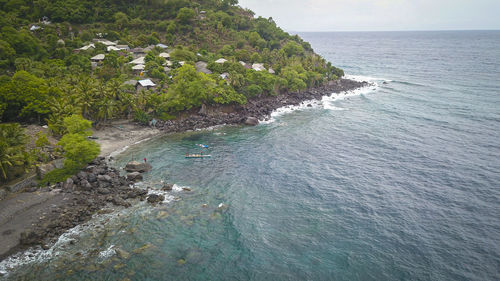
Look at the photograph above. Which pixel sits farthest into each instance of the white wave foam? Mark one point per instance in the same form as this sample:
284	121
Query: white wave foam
326	101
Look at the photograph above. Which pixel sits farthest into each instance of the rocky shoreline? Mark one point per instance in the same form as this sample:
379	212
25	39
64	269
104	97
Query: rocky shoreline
256	109
94	189
99	187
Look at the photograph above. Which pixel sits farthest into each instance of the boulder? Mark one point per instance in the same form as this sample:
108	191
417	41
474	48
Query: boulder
251	121
167	187
135	166
68	183
85	185
134	176
122	253
154	198
43	169
103	191
105	178
92	178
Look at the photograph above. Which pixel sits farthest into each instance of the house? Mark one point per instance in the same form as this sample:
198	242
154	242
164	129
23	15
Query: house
201	66
221	61
160	45
131	82
34	27
98	58
271	71
112	48
149	48
138	67
138	51
258	67
245	65
140	60
123	47
164	55
145	84
86	47
225	76
105	42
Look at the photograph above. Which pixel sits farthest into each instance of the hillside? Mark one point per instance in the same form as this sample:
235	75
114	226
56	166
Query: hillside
141	60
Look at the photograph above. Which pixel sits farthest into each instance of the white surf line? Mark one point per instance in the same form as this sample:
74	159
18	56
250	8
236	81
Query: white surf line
326	100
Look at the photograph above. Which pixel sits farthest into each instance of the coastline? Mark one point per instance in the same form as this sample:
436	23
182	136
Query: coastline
115	139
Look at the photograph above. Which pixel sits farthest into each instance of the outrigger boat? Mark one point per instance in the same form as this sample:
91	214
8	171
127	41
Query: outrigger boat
198	155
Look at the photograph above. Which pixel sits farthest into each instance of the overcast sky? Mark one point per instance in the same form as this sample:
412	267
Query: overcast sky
376	15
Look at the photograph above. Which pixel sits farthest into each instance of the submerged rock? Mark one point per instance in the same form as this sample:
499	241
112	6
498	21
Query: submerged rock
252	121
154	198
167	187
135	166
134	176
122	253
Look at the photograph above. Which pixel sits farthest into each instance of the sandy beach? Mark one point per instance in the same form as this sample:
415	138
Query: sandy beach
119	135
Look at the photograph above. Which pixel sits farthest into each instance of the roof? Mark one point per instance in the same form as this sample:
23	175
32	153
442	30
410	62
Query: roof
147	83
113	48
201	66
34	27
271	71
169	63
131	82
138	67
139	60
149	48
137	50
163	46
98	57
84	48
258	67
224	75
221	61
164	55
106	42
123	47
182	63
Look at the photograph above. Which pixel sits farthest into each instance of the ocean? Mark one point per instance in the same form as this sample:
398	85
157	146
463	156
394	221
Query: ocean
396	181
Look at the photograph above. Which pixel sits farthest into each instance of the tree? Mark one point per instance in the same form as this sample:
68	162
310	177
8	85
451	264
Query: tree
121	20
78	151
76	124
12	150
185	15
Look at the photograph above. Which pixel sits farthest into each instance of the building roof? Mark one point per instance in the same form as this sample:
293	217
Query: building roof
131	82
271	71
221	60
137	50
84	48
163	46
138	67
123	47
139	60
168	63
146	83
105	42
201	66
182	63
164	55
98	57
258	67
34	27
149	48
113	48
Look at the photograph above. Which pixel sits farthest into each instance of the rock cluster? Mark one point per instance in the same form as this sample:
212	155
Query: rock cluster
92	189
256	109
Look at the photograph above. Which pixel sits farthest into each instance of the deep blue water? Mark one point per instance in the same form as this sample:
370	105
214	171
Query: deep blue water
397	183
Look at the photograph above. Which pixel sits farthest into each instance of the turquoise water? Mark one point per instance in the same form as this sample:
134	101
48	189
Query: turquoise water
399	181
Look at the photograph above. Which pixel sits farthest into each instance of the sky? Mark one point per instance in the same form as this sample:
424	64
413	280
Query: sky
378	15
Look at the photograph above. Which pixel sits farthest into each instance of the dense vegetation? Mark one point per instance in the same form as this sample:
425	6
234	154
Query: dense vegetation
43	80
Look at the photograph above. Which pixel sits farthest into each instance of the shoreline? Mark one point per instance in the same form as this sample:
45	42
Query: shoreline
78	202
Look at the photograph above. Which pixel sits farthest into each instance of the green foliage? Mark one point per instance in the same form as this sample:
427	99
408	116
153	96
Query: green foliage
291	48
76	124
181	54
13	157
78	150
185	15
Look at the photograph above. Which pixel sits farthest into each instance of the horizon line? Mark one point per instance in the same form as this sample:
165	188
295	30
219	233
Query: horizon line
403	30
